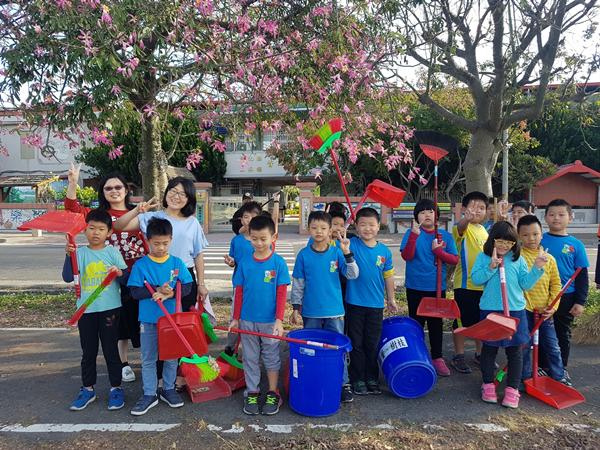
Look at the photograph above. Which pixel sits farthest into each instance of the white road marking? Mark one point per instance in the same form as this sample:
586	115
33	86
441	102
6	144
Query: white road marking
285	429
78	427
487	427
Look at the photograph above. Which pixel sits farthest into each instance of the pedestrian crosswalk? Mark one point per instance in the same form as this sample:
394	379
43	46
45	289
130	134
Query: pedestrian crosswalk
215	267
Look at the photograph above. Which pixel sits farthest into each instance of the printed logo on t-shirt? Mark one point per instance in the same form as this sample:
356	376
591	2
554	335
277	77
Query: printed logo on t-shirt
333	266
380	260
568	249
93	276
270	276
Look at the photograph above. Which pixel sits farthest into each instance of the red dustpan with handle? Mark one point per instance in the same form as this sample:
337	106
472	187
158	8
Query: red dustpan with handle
494	327
435	146
380	192
61	222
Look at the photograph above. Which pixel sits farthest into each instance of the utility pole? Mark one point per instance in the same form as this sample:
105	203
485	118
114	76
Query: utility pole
505	147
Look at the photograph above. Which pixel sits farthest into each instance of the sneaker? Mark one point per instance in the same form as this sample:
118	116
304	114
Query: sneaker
251	403
83	399
511	398
170	397
272	404
460	363
144	404
522	387
373	387
127	375
566	382
117	399
347	396
477	359
360	388
488	393
567	377
441	368
543	373
228	351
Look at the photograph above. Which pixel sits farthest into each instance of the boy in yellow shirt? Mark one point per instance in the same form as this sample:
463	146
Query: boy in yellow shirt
541	296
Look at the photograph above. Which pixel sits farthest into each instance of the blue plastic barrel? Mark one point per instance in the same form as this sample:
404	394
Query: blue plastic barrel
316	374
404	359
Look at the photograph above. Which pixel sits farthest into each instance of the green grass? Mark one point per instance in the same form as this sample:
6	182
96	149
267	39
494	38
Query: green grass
36	310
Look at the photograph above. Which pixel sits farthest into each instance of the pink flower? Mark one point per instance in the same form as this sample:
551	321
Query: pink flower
317	174
220	146
105	14
297	177
4	150
115	90
193	159
116	152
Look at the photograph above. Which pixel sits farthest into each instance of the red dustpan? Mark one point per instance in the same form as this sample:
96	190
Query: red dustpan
546	389
61	222
494	327
380	192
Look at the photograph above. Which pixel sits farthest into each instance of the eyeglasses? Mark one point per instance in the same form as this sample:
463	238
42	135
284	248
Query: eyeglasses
508	244
174	192
116	188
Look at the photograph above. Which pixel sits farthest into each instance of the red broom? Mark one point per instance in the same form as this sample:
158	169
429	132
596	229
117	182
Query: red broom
92	298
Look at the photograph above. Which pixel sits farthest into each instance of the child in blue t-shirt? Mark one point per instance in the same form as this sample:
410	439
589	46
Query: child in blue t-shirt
260	293
365	302
100	322
317	289
420	249
569	253
158	269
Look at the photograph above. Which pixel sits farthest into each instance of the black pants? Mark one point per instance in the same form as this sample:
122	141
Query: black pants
186	303
434	324
129	325
563	320
364	330
515	364
104	327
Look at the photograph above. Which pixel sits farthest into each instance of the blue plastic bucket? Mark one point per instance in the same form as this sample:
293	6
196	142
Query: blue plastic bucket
404	359
316	374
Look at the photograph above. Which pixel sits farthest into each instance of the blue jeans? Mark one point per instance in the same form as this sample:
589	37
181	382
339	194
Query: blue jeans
549	343
149	341
330	324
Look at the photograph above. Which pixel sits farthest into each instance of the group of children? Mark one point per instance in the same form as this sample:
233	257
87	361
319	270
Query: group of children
343	283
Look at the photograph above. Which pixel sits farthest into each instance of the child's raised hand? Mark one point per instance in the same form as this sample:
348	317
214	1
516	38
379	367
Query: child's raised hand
416	228
276	196
235	323
294	318
229	260
503	208
344	243
73	173
495	260
278	328
144	207
541	259
469	213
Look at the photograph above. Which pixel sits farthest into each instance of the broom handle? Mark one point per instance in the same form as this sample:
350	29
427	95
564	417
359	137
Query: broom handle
171	321
362	201
273	336
503	287
271	199
536	341
342	183
77	281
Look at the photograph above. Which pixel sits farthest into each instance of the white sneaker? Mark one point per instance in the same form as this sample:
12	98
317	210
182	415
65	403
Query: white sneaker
127	375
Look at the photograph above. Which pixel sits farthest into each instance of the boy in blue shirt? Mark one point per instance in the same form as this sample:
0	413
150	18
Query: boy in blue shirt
100	322
157	269
260	293
317	288
569	253
365	302
420	249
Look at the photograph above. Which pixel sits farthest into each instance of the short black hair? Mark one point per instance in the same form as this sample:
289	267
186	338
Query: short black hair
475	195
337	209
159	227
99	215
527	206
559	202
367	212
260	223
425	205
319	215
190	192
505	231
529	219
250	207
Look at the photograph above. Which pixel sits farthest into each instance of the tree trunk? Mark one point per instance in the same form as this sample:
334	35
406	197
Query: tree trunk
481	160
153	165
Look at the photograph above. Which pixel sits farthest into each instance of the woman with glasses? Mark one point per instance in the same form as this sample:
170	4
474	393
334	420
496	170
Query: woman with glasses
114	197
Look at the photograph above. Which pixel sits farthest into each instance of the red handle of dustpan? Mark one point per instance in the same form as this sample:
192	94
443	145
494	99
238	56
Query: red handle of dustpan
503	287
76	279
536	319
281	338
337	168
360	203
170	319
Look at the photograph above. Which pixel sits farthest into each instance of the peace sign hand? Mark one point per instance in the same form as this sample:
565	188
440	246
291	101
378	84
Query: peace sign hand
470	212
541	259
416	228
495	260
73	173
229	260
144	207
344	243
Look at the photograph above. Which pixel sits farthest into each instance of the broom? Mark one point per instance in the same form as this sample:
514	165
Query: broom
587	332
92	298
234	363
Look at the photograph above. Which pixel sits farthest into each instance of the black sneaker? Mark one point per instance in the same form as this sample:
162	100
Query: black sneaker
373	387
567	377
566	382
360	388
251	403
460	363
170	397
477	359
272	404
347	396
543	373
